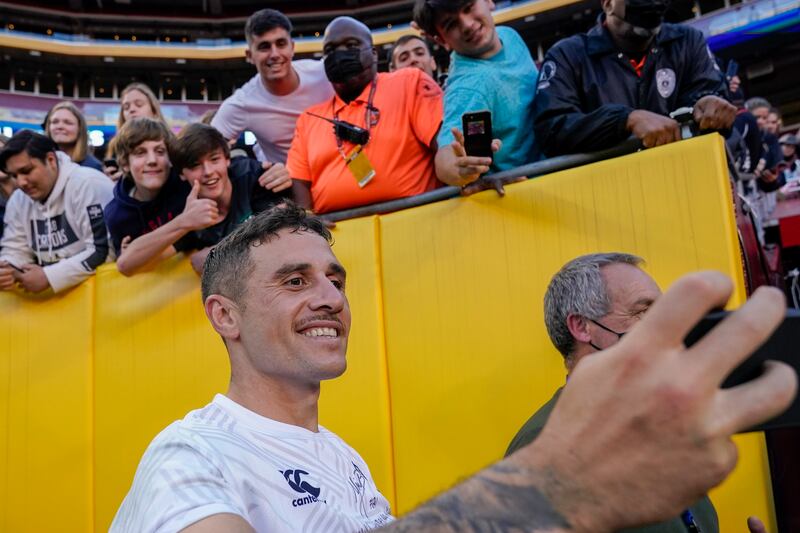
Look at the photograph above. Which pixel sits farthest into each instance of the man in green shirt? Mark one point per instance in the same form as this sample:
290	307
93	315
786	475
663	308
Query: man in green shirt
590	303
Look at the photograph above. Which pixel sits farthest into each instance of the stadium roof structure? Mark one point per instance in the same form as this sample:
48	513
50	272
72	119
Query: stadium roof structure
104	44
203	29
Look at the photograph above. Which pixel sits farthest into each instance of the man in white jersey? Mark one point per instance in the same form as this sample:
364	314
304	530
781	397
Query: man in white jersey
258	452
269	104
648	423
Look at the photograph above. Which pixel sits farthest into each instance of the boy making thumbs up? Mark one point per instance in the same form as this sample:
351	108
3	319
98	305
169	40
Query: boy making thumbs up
157	213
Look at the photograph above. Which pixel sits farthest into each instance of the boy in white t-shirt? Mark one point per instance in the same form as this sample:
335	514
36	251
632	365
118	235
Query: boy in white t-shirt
269	104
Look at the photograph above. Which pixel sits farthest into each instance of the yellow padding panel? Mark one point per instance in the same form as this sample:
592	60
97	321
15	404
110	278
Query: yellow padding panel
468	354
156	358
45	412
356	406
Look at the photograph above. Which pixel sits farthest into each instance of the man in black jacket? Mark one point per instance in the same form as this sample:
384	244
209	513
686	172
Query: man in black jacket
624	77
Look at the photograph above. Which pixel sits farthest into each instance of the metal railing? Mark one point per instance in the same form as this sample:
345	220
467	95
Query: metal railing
531	170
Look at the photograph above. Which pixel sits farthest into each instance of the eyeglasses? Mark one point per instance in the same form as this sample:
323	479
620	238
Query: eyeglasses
617	333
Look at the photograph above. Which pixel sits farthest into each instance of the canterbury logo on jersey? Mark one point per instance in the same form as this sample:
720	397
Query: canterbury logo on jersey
295	479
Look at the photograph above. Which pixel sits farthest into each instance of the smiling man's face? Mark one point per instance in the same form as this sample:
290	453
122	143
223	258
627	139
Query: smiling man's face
271	53
413	53
295	317
470	31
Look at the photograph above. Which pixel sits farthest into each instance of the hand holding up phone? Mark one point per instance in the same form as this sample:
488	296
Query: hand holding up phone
470	167
111	169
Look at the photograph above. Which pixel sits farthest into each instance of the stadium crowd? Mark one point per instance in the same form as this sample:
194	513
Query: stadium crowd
335	134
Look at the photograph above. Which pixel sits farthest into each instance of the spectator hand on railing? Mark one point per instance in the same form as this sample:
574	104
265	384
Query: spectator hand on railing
653	129
32	278
714	113
276	177
482	184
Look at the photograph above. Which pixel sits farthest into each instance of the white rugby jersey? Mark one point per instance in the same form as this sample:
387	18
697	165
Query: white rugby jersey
224	458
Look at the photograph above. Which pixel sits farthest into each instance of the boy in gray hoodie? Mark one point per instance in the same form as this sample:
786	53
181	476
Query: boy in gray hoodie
54	232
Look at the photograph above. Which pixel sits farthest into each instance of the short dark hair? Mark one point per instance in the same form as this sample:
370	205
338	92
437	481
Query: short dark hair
138	130
265	20
426	11
229	265
403	40
34	144
195	141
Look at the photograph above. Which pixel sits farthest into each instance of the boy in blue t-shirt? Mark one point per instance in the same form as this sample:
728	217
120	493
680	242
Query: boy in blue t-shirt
490	69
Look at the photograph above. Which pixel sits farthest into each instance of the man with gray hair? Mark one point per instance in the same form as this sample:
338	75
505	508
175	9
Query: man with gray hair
589	305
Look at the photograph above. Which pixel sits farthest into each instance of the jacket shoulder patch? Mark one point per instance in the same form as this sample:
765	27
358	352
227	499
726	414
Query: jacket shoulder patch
546	74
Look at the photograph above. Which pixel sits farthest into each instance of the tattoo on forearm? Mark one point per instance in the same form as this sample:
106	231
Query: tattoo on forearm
500	499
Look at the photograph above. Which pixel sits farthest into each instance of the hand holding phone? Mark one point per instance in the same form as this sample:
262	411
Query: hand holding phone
111	169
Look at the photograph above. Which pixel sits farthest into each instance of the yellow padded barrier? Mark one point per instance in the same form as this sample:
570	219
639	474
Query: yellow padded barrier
156	358
469	358
448	354
46	412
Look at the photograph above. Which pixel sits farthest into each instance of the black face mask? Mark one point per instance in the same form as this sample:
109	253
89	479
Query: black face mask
343	65
645	15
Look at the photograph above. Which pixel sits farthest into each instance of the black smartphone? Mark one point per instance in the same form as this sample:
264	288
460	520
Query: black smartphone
111	163
477	128
783	345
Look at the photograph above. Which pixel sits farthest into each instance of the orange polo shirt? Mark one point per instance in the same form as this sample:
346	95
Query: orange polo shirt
409	114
